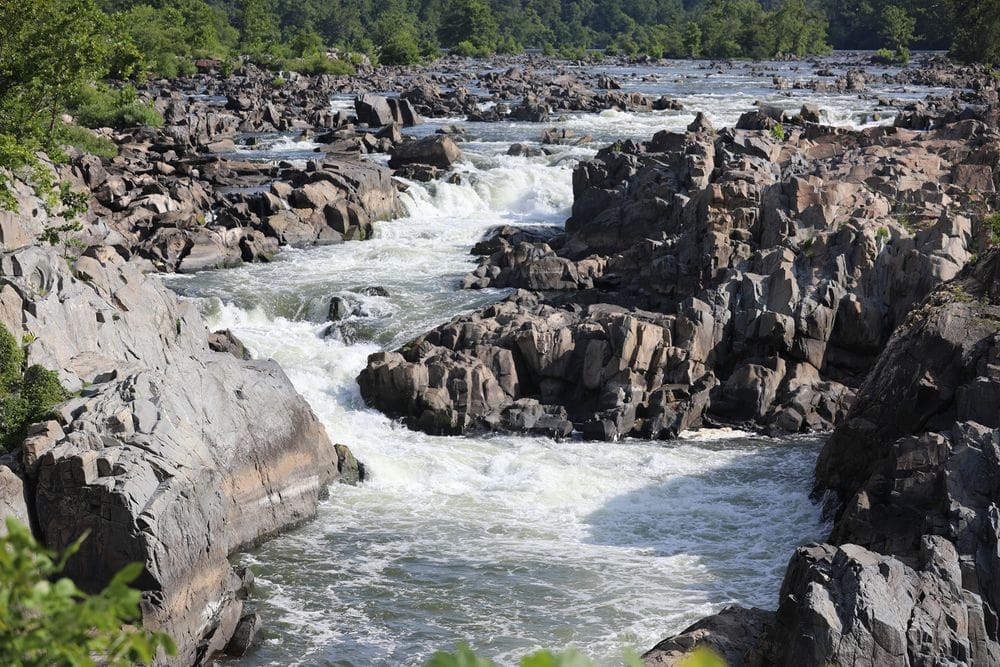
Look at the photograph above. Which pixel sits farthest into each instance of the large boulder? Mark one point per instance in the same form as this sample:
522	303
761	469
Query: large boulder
373	110
170	454
437	151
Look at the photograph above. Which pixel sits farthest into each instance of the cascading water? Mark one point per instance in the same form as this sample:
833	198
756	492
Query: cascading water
507	543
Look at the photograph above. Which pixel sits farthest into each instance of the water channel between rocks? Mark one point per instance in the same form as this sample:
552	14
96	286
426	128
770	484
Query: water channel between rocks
507	543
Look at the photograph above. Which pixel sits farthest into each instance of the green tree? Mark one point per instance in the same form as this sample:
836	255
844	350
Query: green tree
692	40
977	35
48	49
898	29
469	20
400	49
258	27
45	620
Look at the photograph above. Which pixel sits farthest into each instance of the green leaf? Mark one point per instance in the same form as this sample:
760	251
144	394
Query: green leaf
462	657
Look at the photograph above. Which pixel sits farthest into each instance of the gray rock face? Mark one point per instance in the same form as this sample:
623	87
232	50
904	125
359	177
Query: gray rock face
850	606
171	454
768	275
912	574
12	493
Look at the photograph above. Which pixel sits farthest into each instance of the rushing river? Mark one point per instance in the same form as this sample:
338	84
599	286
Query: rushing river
507	543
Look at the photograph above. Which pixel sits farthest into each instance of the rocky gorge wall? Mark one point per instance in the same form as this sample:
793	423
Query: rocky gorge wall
909	573
169	453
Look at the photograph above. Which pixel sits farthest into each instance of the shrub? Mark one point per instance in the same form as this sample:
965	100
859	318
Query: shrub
42	391
573	52
400	49
86	140
508	45
884	57
993	224
101	106
464	49
46	620
24	398
11	360
14	420
778	132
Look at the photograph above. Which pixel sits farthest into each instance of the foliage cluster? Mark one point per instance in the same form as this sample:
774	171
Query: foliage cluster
27	395
47	620
992	223
464	656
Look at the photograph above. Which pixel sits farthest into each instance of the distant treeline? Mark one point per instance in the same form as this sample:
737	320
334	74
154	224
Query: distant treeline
168	33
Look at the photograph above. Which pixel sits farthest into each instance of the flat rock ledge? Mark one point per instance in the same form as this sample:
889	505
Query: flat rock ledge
170	453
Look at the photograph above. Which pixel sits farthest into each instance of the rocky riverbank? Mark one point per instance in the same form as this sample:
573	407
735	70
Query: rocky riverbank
170	453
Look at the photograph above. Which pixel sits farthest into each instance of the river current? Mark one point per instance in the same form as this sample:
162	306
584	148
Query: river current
507	543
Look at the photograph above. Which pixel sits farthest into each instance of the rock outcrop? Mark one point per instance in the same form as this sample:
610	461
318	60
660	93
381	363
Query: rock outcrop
215	212
170	453
705	278
911	575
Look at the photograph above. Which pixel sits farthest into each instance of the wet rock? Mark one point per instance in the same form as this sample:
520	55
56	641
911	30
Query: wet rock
732	633
435	151
246	635
351	470
520	150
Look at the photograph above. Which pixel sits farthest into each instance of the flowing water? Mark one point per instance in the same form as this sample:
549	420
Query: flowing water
507	543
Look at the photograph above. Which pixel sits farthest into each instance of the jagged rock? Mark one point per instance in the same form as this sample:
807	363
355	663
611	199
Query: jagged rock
226	341
373	110
700	124
912	573
245	636
351	470
773	279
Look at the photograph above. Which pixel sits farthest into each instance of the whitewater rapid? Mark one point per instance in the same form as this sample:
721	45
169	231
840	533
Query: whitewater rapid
507	543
